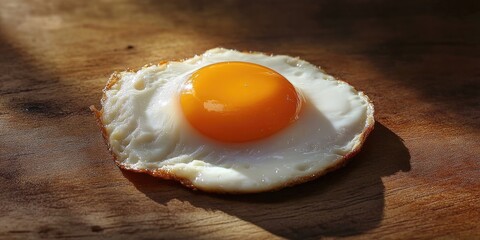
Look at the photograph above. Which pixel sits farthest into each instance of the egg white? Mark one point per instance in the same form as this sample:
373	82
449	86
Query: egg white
146	130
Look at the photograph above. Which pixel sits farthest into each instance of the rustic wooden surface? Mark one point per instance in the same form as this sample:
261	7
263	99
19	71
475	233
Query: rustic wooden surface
417	176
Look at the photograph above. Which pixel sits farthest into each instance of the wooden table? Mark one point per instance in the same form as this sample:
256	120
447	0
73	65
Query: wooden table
416	177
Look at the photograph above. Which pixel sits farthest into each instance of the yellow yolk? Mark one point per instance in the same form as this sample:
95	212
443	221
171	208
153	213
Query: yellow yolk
239	101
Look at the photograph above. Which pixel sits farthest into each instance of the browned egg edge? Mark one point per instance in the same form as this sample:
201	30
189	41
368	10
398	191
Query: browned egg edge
165	174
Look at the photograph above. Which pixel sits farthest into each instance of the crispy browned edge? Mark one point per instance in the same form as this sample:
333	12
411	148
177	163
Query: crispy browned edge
165	174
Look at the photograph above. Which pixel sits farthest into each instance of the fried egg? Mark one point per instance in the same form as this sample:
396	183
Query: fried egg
233	122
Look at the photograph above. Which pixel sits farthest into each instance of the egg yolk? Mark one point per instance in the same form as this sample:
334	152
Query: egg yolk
239	101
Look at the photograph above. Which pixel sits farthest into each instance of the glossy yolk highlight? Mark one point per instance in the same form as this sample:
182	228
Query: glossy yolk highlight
239	101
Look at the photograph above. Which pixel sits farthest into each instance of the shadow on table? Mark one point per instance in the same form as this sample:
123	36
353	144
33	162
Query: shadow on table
347	202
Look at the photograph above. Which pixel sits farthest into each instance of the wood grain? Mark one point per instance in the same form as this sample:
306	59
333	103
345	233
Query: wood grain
417	176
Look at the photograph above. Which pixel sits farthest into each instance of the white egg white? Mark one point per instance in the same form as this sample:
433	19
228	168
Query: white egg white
146	130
